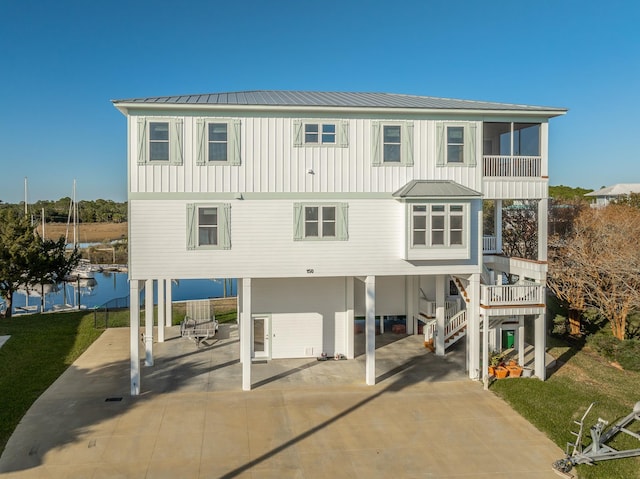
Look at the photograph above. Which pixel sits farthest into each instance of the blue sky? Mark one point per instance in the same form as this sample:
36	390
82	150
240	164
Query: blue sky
62	62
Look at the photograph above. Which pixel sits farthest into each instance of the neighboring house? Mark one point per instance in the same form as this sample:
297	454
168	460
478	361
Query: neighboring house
604	196
339	214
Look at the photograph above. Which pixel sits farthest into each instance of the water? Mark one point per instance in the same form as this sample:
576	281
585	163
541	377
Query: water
107	286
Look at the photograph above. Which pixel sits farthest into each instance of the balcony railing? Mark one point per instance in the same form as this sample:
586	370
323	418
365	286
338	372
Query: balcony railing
512	166
512	295
489	244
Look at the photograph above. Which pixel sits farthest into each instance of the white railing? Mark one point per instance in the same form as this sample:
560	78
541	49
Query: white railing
489	244
428	308
516	295
512	166
452	325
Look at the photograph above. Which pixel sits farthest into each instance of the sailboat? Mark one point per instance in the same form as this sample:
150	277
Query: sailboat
83	270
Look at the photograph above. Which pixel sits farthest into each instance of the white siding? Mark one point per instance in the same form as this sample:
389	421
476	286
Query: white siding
262	244
296	335
270	163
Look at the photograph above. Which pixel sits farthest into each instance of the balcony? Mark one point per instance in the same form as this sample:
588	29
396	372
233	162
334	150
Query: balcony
489	244
512	295
497	166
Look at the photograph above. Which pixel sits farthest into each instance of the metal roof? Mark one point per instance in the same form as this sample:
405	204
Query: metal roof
281	98
435	189
618	189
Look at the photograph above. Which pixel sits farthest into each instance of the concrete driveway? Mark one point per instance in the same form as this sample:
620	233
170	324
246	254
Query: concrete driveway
303	419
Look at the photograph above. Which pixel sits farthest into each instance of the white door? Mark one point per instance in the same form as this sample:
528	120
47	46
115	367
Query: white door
261	334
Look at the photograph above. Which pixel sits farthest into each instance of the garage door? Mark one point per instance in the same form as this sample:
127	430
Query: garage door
296	335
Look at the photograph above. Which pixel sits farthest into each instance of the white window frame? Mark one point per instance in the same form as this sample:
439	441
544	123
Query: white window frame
174	141
339	221
203	142
378	143
431	212
340	134
459	145
469	150
223	226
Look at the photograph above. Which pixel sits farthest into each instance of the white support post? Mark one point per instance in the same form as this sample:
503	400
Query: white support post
148	322
485	352
410	303
161	305
540	347
543	217
169	304
350	319
245	334
134	336
498	225
473	328
521	340
370	329
440	307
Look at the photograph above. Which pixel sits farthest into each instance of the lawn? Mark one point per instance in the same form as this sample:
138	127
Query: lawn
581	378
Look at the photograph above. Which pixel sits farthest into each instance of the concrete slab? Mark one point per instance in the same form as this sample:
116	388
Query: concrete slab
303	419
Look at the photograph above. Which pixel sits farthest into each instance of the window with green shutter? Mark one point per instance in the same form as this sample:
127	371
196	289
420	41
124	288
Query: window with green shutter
320	221
208	226
392	143
455	143
326	133
217	142
160	141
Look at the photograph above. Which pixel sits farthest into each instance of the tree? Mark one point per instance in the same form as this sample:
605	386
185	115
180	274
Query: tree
25	259
596	266
520	230
17	242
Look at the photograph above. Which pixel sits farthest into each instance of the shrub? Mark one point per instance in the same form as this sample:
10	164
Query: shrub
626	353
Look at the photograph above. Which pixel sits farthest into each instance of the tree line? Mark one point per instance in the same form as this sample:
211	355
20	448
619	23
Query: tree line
92	211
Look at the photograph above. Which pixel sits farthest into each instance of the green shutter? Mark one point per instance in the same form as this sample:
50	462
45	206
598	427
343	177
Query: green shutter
470	144
298	222
175	142
201	142
376	155
440	144
297	132
224	226
343	133
192	226
342	219
233	153
142	140
407	144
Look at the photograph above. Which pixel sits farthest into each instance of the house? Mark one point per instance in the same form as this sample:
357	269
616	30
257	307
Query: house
340	214
604	196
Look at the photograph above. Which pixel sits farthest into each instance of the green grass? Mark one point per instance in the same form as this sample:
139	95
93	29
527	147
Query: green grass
120	318
40	349
553	405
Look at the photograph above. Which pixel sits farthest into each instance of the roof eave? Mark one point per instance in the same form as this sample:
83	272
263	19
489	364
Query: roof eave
125	107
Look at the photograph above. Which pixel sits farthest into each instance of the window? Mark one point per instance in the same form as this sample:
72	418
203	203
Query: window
437	225
392	143
320	221
208	226
313	133
160	141
217	142
324	133
456	144
511	139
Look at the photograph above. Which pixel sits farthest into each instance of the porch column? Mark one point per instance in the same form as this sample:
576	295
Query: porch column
370	329
245	334
473	327
134	336
161	306
440	309
498	225
350	317
539	347
543	217
521	340
169	304
411	294
148	322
